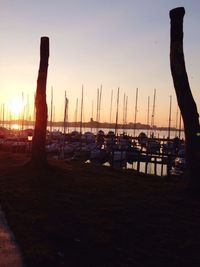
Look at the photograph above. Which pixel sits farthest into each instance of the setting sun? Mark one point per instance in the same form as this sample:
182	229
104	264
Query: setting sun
15	126
16	106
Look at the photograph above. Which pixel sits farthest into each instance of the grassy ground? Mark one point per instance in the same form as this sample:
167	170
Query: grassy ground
82	215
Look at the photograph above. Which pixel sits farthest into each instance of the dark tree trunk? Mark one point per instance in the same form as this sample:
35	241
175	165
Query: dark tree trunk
39	138
185	99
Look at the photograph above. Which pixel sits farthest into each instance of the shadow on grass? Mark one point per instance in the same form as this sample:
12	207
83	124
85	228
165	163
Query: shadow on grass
72	214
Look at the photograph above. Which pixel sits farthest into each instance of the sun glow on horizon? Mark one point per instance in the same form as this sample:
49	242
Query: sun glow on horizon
15	106
15	126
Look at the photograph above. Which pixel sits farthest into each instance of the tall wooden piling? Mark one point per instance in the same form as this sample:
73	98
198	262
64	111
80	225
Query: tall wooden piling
39	138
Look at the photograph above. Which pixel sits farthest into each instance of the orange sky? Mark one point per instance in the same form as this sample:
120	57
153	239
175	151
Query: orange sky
110	43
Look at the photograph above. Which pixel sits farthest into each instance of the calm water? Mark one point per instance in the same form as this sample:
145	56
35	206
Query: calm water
157	133
150	168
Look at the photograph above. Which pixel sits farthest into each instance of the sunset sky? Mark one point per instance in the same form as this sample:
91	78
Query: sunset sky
113	43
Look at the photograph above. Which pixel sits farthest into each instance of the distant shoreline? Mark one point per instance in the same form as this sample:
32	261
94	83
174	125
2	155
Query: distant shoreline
93	125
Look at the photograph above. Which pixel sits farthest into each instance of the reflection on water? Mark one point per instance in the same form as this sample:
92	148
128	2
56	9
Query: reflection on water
157	133
150	167
15	126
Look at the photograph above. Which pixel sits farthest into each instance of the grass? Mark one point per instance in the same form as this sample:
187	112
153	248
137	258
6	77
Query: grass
74	214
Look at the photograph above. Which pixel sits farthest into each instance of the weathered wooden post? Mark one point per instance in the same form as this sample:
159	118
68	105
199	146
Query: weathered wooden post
185	99
155	165
39	138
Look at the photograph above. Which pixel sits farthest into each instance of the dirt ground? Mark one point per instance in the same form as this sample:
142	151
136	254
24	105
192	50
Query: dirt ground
75	214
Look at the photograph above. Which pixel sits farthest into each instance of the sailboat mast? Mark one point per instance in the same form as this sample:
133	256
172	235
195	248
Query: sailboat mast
54	113
176	121
10	123
97	114
76	114
124	111
34	110
3	114
170	113
117	111
136	108
81	119
27	112
153	113
179	131
148	107
126	108
22	115
51	111
100	103
111	102
65	114
91	121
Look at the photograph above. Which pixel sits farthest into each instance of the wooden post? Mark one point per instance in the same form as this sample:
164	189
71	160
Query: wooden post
155	165
162	163
138	163
169	164
146	162
185	99
39	138
146	166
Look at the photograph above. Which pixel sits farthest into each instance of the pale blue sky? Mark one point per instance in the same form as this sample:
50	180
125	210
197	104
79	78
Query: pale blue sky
116	43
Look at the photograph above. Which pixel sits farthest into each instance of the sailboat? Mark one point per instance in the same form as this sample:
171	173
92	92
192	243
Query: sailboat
169	146
136	109
117	113
51	112
153	146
